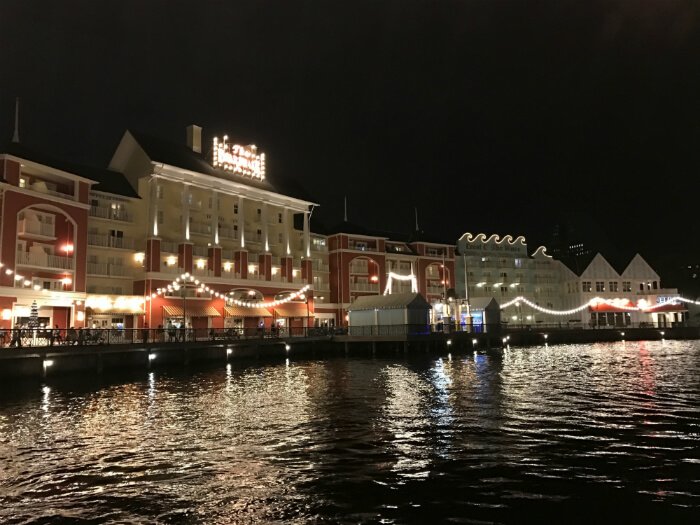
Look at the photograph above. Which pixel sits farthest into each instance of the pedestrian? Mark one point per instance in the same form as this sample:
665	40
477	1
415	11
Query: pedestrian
171	331
144	333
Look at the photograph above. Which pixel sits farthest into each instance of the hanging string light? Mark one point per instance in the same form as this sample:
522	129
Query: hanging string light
621	304
410	277
186	278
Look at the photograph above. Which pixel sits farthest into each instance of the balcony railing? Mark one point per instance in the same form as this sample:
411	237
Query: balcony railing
364	287
228	233
107	241
27	227
112	270
203	272
200	251
40	187
168	247
45	260
171	269
358	268
200	228
107	212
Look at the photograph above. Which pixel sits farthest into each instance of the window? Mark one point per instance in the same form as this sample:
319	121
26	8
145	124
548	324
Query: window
23	182
160	217
159	191
654	284
504	289
613	286
641	287
599	286
259	213
280	238
279	218
626	286
235	209
586	286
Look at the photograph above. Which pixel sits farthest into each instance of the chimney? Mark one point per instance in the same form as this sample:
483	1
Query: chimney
194	138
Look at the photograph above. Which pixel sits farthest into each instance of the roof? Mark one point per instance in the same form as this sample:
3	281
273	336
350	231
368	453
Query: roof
482	303
108	181
391	301
397	237
181	156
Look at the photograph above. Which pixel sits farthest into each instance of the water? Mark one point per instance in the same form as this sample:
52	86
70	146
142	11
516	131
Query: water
561	433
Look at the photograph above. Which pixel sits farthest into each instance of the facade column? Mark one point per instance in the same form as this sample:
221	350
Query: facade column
265	261
184	256
286	216
186	212
307	236
152	260
241	222
153	198
265	228
214	262
215	218
307	272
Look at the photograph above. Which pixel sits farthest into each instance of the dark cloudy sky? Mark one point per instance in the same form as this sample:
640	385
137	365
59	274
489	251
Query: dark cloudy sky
495	116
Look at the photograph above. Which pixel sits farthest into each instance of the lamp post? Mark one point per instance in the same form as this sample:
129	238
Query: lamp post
466	292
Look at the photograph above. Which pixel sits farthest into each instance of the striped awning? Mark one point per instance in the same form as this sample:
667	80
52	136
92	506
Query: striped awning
291	310
113	311
194	311
242	311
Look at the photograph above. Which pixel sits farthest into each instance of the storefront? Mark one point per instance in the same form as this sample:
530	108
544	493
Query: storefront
245	320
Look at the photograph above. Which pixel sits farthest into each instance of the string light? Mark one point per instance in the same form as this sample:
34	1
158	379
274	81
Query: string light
622	304
410	277
186	278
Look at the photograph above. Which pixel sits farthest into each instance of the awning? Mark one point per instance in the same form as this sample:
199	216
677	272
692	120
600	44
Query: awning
667	307
242	311
113	311
194	311
291	310
605	307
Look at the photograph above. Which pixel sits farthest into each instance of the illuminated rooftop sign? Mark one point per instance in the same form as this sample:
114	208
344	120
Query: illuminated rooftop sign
235	158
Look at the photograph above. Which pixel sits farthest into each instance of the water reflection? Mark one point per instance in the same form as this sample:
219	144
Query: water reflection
486	435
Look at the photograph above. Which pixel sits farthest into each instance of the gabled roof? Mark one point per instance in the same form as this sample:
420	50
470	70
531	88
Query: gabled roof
108	181
181	156
392	301
483	303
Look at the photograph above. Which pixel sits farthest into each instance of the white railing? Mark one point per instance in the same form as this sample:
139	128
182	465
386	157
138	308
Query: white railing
436	289
41	188
45	260
364	287
200	251
26	226
171	269
107	241
358	268
116	214
229	233
168	247
204	272
200	228
114	270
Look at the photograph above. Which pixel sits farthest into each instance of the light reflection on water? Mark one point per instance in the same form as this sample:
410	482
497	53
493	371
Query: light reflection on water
484	436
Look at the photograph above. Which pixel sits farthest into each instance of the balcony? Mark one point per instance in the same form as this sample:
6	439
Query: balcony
202	272
107	241
168	247
40	186
108	270
44	260
364	287
359	268
112	214
228	233
34	227
436	290
200	251
174	270
200	228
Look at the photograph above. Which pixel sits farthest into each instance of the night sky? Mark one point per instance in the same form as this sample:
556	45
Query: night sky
489	116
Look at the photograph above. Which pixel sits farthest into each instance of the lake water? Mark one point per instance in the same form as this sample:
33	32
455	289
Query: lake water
570	433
